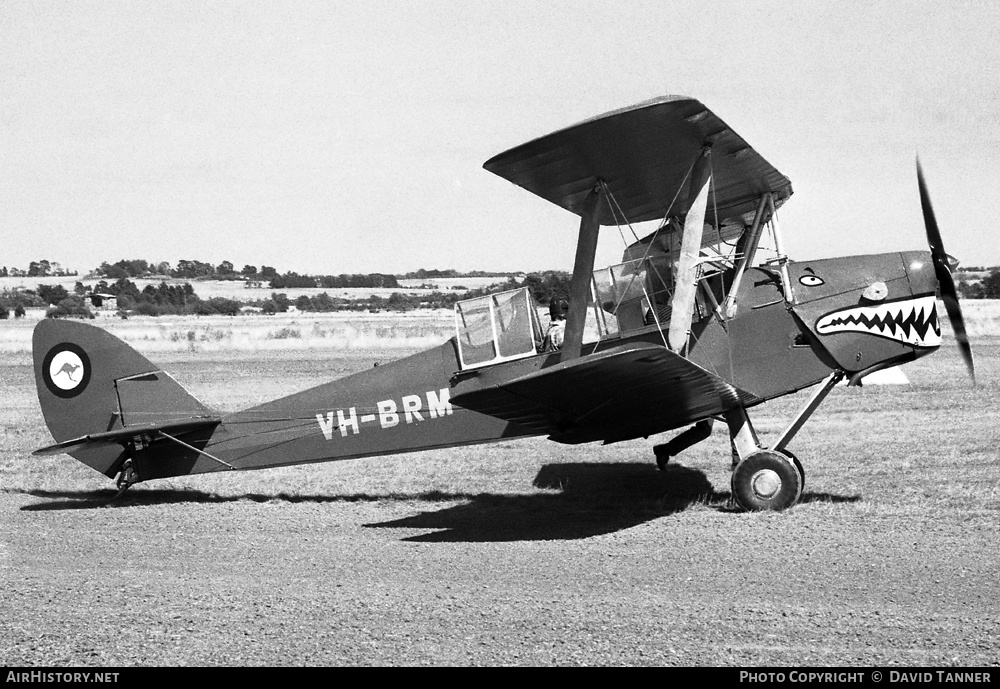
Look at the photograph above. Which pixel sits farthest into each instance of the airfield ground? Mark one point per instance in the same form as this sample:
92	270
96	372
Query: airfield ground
522	553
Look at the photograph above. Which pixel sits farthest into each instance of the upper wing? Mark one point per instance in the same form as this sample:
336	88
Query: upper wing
622	393
643	153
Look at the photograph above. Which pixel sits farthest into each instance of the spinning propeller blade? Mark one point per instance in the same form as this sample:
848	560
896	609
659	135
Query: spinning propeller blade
942	268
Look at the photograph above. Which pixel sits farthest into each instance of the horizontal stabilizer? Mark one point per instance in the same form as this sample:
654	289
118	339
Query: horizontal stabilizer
622	393
117	437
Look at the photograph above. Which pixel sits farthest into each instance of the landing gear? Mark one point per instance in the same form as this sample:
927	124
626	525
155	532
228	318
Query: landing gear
770	479
126	478
766	480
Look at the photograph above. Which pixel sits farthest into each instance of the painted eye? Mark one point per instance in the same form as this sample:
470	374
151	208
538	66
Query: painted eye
811	280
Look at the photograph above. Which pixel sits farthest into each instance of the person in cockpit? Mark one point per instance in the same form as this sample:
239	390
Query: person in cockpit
557	328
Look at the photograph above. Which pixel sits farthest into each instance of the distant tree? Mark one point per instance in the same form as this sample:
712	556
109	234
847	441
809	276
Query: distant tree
224	268
147	308
991	285
20	298
122	287
127	302
399	302
281	301
52	294
323	302
292	279
38	269
217	305
113	272
423	274
377	280
267	272
545	286
249	271
125	268
193	269
970	290
70	307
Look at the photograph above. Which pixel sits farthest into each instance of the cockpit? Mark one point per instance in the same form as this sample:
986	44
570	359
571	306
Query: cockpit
497	327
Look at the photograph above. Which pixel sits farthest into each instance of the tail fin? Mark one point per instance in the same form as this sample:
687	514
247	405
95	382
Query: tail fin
90	383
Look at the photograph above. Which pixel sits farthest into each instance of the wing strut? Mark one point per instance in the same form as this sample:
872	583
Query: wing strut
686	283
782	257
583	268
728	310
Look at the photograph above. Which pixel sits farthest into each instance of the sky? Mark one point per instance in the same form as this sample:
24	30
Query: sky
344	137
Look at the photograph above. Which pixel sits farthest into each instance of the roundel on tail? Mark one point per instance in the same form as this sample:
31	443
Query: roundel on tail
66	370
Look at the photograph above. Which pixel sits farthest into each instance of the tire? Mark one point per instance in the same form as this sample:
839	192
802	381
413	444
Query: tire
798	465
766	481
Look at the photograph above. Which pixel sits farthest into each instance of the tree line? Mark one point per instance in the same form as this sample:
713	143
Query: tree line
187	269
152	300
545	286
987	288
168	299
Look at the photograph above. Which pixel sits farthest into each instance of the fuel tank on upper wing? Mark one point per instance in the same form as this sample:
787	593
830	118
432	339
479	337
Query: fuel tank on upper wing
869	311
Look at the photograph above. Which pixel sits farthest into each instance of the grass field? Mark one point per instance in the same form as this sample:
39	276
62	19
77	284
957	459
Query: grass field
334	331
527	552
293	331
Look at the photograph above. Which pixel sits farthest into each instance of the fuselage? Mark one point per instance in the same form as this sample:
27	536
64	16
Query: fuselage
856	313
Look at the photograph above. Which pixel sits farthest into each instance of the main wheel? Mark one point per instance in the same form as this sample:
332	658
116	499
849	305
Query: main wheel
766	480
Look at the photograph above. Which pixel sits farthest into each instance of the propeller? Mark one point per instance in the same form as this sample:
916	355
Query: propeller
942	269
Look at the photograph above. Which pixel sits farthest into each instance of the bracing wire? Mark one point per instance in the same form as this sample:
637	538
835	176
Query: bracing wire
612	204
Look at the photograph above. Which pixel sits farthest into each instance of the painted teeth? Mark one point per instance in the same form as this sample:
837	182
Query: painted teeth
911	321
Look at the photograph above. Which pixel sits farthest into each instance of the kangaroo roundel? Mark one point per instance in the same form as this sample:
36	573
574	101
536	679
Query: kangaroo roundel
66	370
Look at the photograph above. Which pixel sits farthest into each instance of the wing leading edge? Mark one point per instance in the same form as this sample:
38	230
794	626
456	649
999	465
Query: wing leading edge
643	154
623	393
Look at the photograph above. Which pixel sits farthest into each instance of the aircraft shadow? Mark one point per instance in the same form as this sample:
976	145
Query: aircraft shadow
592	499
827	497
103	499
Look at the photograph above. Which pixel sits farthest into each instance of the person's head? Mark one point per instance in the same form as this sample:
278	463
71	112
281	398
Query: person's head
558	309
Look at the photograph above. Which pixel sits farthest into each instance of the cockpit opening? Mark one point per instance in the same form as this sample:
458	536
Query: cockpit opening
497	327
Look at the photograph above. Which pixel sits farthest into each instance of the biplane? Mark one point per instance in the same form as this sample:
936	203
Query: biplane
705	318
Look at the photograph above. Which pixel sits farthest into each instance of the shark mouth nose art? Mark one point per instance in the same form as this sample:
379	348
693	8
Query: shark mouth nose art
912	320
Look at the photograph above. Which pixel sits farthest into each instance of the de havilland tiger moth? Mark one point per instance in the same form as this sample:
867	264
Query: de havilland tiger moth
705	318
